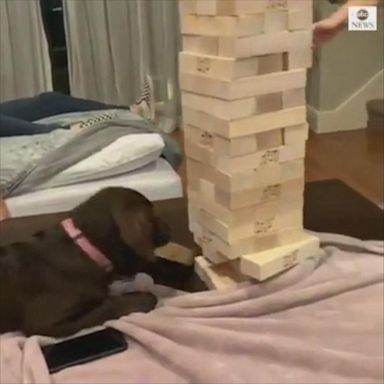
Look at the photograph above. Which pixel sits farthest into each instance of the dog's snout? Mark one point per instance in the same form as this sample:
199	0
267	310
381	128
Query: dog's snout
162	233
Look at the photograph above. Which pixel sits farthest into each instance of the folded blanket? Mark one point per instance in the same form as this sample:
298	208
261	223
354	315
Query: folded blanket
51	154
320	322
172	152
126	154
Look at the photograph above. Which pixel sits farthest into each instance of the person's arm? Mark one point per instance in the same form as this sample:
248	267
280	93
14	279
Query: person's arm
326	29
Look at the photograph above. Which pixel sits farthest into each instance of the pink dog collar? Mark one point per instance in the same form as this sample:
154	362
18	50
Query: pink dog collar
86	246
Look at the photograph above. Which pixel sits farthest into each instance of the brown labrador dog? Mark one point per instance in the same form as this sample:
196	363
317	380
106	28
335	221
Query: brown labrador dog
57	283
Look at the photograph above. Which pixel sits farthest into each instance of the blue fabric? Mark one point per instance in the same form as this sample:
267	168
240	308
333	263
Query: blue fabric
17	116
49	104
10	126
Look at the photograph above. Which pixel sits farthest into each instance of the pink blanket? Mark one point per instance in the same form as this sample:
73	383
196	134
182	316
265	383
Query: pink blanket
321	322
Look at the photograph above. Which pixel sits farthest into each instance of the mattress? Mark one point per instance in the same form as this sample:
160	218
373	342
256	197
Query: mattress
157	181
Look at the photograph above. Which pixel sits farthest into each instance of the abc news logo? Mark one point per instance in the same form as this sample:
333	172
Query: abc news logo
362	18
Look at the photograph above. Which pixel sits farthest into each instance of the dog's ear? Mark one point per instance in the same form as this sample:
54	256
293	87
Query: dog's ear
136	231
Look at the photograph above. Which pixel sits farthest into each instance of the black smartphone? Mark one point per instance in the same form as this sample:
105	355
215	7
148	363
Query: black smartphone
83	349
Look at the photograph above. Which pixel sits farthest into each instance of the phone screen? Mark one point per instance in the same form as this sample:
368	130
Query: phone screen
83	349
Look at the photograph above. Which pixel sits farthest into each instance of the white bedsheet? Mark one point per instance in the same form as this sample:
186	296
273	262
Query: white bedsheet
157	181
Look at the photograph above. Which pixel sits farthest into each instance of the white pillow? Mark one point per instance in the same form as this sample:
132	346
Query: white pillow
122	156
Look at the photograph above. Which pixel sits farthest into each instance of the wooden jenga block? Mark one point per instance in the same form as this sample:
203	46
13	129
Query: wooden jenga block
197	152
195	140
253	46
263	265
235	147
220	147
177	253
276	20
217	67
225	233
253	244
277	4
193	216
241	172
299	4
247	126
227	216
221	276
205	45
257	178
265	44
292	170
223	7
207	189
222	25
271	102
300	19
243	88
288	219
292	151
248	162
265	122
243	216
206	7
296	133
270	63
268	219
213	255
223	109
267	84
198	233
207	227
271	139
300	59
302	41
199	136
194	174
241	7
248	197
230	7
293	98
187	7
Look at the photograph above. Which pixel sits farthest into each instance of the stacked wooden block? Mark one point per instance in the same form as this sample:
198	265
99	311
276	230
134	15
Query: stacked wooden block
243	77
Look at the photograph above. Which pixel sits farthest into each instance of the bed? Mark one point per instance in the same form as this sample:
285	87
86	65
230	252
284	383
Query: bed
157	181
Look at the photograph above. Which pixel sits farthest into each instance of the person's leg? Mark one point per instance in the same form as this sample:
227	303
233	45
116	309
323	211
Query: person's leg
10	126
50	104
55	103
145	103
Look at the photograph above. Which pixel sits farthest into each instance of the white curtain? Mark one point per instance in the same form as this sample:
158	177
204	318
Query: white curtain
25	67
112	45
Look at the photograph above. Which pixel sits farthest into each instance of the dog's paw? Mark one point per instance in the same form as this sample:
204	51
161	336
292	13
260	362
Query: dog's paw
140	302
148	301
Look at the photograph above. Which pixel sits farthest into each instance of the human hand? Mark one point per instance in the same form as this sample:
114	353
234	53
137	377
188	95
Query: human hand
326	29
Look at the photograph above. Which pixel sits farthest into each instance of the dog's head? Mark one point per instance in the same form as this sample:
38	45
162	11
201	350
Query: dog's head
124	224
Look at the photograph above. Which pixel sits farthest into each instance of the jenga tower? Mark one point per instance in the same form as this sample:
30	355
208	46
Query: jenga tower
243	76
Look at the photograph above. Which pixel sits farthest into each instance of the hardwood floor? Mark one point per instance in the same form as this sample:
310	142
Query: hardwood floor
353	157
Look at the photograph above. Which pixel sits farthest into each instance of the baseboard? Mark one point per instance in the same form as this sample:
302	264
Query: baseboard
352	113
